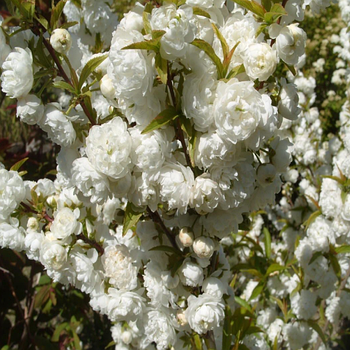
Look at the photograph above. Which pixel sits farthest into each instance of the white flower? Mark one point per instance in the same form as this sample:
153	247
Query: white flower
290	44
260	61
159	328
108	148
124	305
266	174
30	109
17	76
66	223
204	313
191	274
12	235
89	181
52	253
238	109
61	40
58	126
204	247
214	287
288	103
303	304
298	334
32	243
107	88
178	29
12	192
176	182
119	267
206	194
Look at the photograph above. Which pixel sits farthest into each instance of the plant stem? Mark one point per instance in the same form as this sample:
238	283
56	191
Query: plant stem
91	243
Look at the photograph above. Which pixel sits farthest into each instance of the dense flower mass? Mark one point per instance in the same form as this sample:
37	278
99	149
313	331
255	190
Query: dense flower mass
175	129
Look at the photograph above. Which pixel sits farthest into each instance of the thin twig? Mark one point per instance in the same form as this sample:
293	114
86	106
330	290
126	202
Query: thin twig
157	219
92	243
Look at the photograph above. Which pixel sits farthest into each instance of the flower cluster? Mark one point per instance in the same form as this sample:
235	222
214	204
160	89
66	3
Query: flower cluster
173	128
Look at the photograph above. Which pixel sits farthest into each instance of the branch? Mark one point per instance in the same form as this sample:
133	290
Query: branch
157	219
91	243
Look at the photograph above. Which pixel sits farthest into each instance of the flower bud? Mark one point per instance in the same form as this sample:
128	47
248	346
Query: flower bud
186	236
181	317
61	40
126	337
107	87
204	247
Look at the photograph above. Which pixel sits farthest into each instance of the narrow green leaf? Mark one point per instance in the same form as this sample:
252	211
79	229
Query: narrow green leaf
65	86
162	119
235	71
175	265
198	342
267	242
168	249
343	249
42	296
58	330
42	20
29	9
90	66
335	264
131	217
200	12
111	344
243	303
252	6
162	68
146	22
56	13
273	268
260	29
227	329
16	166
257	291
68	24
311	218
207	48
152	45
227	59
44	279
224	45
315	326
76	340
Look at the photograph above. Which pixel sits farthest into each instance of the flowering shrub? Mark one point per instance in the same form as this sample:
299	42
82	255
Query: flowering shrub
175	126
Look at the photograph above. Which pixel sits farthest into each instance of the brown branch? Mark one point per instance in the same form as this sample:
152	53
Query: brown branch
157	219
91	243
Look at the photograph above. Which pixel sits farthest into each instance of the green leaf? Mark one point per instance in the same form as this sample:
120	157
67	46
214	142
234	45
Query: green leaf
16	166
56	13
200	12
163	118
42	20
273	268
260	29
131	217
162	68
175	265
224	45
198	342
152	45
90	66
165	248
28	10
112	343
252	6
243	303
266	4
58	330
276	11
76	340
44	279
312	218
315	256
257	290
146	22
267	242
42	296
68	24
65	86
227	329
335	264
315	326
343	249
206	47
191	133
235	71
